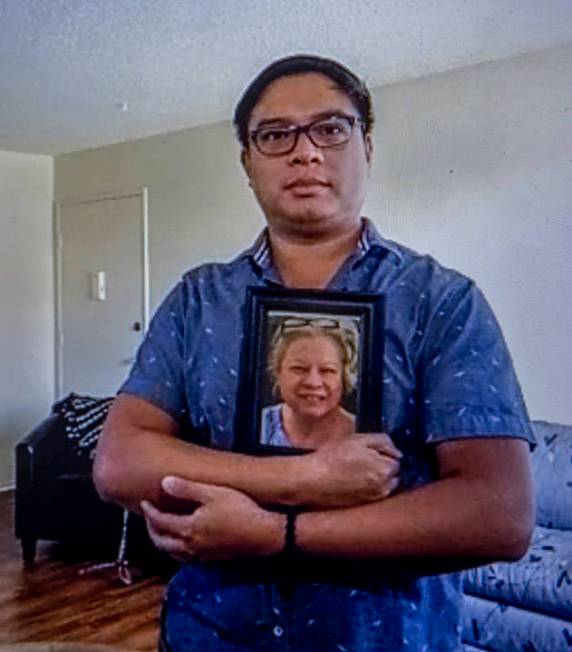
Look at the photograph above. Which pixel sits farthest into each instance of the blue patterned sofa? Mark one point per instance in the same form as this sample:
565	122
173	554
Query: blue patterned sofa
526	606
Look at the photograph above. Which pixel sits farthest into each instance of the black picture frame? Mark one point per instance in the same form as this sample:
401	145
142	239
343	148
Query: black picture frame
265	307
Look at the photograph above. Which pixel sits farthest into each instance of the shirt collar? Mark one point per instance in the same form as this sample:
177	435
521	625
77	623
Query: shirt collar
369	239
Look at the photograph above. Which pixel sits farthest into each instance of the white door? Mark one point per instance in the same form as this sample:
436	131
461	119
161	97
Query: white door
102	290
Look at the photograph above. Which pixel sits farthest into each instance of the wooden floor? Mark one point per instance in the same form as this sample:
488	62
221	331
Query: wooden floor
52	601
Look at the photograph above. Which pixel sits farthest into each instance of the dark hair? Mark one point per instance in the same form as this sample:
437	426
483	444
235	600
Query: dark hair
299	64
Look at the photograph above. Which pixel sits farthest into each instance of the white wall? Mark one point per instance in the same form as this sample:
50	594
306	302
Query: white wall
26	297
473	166
199	205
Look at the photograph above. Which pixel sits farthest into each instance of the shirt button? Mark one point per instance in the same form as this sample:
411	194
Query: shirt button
277	631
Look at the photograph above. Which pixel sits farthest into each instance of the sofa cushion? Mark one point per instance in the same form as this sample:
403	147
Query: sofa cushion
541	581
491	626
552	466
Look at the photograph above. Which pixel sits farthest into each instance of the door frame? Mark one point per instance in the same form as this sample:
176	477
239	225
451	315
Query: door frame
143	194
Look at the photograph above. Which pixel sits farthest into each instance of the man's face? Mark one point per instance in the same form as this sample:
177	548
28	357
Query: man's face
312	190
310	377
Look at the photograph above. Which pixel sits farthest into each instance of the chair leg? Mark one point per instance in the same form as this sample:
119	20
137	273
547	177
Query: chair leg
29	550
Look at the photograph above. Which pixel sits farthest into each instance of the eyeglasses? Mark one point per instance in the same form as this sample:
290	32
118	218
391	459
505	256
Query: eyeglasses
325	132
290	323
322	323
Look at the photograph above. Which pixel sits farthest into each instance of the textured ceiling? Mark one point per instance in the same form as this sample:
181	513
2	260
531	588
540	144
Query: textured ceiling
76	74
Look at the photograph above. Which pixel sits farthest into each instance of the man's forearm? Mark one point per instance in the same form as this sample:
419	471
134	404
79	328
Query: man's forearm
444	519
139	446
128	474
481	508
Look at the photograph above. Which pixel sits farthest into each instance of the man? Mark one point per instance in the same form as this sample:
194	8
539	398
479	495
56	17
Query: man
363	556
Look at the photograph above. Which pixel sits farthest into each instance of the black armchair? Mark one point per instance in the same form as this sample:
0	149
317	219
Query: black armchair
55	495
56	498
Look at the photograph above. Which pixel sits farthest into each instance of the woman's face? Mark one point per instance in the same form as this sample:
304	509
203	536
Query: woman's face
310	376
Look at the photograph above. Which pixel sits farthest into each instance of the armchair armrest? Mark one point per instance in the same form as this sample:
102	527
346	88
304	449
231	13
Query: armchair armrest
41	443
55	497
46	444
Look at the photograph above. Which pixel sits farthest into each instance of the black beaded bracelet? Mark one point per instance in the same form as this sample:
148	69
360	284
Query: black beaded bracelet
290	547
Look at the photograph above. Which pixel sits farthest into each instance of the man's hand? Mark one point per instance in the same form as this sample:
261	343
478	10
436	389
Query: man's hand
353	471
225	525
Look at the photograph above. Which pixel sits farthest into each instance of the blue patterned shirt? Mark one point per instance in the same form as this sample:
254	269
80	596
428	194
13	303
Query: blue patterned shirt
447	375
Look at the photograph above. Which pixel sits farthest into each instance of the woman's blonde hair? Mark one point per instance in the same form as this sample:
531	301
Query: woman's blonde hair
344	339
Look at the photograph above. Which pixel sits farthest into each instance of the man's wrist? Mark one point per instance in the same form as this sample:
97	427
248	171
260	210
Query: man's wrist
308	478
300	478
274	533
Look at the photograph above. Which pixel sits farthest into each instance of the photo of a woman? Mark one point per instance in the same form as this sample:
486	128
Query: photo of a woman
312	365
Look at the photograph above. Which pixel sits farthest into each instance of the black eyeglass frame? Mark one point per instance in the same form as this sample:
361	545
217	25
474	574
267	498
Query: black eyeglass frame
352	120
289	324
293	323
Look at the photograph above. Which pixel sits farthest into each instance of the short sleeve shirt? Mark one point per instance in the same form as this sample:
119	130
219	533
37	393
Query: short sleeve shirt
447	374
272	432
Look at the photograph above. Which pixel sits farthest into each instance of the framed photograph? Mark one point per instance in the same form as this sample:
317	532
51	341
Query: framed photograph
311	369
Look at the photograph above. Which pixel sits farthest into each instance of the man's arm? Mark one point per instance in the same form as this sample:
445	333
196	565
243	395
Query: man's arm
481	508
139	446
